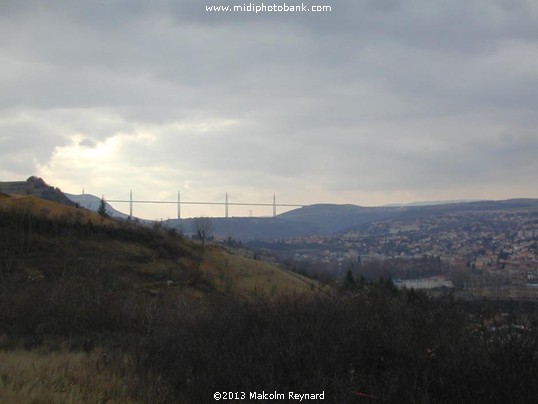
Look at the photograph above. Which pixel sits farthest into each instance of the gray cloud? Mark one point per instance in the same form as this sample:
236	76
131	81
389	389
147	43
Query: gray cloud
87	143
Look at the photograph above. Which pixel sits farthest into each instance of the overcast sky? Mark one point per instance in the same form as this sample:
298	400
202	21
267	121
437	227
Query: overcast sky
374	102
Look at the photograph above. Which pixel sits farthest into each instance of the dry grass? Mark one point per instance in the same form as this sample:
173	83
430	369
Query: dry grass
54	210
64	377
242	275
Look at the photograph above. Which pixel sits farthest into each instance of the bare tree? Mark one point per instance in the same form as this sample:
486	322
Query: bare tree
202	227
460	276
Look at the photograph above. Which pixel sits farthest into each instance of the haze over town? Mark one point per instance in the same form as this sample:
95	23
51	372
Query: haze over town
375	102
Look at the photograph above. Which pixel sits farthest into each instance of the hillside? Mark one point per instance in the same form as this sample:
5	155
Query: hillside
43	238
74	281
92	202
331	219
37	187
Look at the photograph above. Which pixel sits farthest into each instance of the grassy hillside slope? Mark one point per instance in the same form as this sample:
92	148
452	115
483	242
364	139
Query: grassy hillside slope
41	239
72	281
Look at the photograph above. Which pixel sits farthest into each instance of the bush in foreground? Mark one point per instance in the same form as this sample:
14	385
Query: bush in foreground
394	346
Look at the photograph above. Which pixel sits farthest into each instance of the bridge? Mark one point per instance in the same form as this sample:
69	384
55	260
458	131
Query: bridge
179	203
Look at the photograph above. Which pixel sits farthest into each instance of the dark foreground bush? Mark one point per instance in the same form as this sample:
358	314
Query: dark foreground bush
392	346
387	345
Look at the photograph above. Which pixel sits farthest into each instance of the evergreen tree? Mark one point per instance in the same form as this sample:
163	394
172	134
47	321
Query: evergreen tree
102	208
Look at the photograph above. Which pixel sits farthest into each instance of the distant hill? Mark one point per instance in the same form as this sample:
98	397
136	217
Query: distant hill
37	187
324	219
249	228
330	218
92	202
340	218
428	203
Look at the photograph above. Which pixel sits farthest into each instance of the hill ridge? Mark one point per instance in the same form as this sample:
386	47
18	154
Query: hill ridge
35	186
